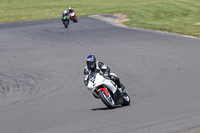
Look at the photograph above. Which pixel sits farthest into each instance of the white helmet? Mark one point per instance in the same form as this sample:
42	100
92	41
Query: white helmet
65	11
69	8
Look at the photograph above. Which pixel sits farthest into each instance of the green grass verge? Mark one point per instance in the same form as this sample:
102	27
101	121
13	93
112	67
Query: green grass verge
175	16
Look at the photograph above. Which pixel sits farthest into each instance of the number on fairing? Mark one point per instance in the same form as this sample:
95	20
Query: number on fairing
92	79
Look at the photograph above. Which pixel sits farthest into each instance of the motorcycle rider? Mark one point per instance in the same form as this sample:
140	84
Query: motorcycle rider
65	13
70	10
92	65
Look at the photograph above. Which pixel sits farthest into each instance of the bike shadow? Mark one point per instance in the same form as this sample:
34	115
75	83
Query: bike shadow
105	108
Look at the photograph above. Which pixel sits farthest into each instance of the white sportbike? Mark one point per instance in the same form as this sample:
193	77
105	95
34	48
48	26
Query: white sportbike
107	91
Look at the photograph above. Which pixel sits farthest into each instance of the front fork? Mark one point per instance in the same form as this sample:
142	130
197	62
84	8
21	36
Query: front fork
95	91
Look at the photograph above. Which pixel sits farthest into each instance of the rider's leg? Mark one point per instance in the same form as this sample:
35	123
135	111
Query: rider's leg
115	79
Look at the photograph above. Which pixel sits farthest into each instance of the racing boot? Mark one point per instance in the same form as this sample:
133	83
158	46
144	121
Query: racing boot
121	87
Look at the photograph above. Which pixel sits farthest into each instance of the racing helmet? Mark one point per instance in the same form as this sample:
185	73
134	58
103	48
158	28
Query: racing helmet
69	8
65	12
91	61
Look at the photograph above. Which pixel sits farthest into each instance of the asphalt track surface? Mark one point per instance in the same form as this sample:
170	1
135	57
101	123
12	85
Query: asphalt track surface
41	78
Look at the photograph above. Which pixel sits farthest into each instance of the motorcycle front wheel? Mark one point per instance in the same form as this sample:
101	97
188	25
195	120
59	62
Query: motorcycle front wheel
107	100
66	23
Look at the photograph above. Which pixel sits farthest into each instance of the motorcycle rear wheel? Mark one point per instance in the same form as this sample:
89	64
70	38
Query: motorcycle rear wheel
127	100
107	100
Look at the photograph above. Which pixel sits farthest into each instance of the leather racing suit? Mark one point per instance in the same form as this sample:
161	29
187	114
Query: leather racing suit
103	70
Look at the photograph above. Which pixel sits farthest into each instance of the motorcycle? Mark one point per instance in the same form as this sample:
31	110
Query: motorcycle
65	20
107	91
73	17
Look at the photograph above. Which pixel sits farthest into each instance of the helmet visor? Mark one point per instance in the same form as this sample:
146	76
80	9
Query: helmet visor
90	64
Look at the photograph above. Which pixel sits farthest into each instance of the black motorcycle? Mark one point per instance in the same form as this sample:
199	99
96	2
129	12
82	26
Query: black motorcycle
65	20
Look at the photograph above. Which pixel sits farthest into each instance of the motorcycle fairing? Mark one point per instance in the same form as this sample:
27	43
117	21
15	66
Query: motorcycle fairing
95	80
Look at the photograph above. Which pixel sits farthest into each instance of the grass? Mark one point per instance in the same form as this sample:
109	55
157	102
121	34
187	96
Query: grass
175	16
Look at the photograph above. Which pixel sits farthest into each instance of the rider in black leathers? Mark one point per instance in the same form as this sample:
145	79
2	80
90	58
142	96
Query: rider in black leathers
70	10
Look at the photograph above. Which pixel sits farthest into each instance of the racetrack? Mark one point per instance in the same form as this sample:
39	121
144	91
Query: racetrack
41	78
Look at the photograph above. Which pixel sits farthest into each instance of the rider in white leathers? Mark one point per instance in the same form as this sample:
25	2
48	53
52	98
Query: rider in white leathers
92	65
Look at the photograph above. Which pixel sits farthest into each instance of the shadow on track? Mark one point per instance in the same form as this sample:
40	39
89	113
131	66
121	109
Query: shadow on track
105	108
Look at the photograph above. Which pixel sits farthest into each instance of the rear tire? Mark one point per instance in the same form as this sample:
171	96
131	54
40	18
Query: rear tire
107	100
127	100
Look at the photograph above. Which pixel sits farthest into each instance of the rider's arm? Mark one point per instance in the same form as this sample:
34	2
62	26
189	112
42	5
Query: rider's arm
104	68
86	77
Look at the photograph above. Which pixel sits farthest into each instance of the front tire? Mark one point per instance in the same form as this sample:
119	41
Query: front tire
66	23
107	100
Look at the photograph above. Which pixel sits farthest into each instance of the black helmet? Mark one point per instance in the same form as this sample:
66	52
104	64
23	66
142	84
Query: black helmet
91	61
